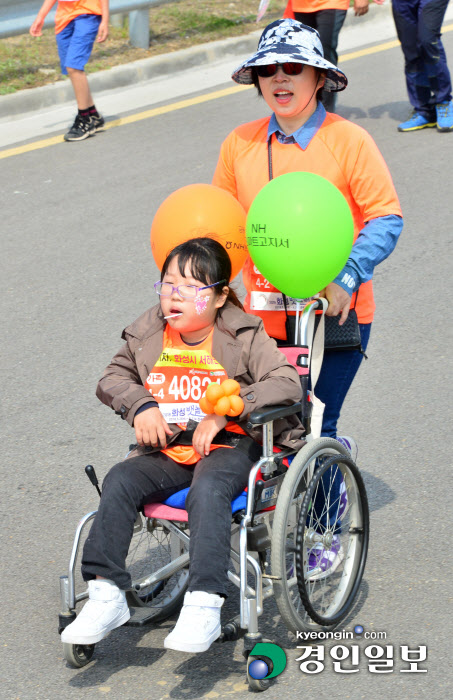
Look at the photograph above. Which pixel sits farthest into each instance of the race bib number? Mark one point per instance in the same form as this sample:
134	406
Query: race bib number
178	381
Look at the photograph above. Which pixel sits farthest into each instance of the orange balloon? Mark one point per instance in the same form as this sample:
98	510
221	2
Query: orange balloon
236	405
200	210
206	406
231	386
214	392
222	406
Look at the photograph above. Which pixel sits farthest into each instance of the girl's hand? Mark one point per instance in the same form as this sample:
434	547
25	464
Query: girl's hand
206	431
151	428
360	7
103	31
339	301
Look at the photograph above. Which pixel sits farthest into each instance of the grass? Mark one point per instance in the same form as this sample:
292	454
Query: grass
27	62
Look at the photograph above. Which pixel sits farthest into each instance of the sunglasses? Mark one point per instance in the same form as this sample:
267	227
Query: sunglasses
271	69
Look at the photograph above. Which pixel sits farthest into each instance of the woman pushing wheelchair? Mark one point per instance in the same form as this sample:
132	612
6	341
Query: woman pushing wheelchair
289	72
196	334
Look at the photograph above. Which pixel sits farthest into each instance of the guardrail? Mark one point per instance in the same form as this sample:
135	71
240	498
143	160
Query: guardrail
16	17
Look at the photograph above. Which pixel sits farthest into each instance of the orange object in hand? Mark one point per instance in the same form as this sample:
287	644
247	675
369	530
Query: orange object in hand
223	399
230	387
236	405
206	406
222	406
214	392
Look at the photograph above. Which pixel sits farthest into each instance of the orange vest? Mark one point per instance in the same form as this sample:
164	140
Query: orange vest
314	6
177	382
67	11
343	153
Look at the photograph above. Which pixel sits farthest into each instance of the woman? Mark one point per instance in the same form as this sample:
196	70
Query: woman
289	70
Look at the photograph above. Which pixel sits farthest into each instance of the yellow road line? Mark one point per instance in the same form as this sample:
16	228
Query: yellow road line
182	104
157	111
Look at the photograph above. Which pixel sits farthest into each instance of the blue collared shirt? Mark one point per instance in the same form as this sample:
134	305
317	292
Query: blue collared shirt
378	237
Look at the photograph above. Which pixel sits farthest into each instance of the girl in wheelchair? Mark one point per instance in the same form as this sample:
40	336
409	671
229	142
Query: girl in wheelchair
196	335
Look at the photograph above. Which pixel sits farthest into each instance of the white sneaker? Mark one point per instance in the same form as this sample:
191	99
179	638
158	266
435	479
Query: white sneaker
198	623
105	610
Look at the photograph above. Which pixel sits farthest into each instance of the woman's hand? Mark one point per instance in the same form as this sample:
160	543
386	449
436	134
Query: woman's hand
151	428
339	301
206	431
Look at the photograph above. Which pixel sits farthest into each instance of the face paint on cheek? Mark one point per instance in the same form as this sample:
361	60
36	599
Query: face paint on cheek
201	304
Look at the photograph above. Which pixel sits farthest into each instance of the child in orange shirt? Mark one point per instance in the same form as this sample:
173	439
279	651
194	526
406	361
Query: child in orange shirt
77	24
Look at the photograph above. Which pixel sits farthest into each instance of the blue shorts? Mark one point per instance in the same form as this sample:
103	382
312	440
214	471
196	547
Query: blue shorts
75	41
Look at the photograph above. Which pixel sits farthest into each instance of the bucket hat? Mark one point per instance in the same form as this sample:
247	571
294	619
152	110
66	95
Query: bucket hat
289	41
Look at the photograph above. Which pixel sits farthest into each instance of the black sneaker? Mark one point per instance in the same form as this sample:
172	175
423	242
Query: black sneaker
81	129
97	121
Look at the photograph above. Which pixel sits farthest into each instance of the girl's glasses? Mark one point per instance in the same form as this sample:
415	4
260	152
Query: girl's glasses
186	291
288	68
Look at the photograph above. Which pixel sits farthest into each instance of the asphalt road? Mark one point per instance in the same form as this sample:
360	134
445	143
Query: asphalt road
77	268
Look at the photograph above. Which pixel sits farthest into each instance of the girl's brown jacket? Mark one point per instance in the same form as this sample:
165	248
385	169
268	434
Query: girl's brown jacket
240	344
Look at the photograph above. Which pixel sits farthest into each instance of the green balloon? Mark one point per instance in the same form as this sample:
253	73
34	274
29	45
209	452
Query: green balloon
299	233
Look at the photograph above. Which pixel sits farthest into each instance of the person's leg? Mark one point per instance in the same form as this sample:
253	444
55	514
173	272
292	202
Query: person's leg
218	479
85	28
430	18
405	15
84	34
308	18
328	23
128	486
337	374
81	88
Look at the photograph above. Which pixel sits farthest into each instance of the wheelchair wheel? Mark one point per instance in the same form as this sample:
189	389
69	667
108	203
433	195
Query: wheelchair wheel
284	533
78	655
153	546
332	540
256	684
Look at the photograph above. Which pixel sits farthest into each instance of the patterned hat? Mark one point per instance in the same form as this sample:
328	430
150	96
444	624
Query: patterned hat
289	41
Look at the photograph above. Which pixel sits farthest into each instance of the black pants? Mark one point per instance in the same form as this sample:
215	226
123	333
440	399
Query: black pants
214	482
328	24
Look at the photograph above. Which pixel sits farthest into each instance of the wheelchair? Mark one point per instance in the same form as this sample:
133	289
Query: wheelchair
299	533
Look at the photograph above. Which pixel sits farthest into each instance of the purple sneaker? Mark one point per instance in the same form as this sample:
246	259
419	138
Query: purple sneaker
350	445
322	562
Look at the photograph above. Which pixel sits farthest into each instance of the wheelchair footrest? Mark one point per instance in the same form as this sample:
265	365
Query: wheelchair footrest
142	616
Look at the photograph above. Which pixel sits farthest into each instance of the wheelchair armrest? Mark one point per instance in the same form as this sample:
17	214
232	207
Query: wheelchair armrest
271	413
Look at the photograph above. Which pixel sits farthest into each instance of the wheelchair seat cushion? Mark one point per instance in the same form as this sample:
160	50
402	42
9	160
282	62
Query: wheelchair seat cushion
178	500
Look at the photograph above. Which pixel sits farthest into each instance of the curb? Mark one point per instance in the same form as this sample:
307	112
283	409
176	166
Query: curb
150	68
